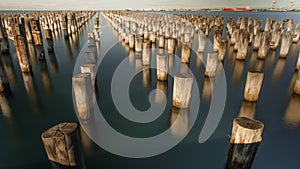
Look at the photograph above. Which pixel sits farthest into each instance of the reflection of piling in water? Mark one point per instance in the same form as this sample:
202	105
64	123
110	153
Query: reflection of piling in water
53	62
5	106
22	54
184	68
278	70
39	51
163	87
91	69
248	110
87	143
182	90
179	122
186	52
208	86
162	63
63	146
31	90
297	84
46	77
146	53
8	67
285	44
244	141
253	86
146	76
211	64
83	92
292	114
238	71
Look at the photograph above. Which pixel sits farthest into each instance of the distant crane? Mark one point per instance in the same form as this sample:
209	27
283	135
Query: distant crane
274	4
291	6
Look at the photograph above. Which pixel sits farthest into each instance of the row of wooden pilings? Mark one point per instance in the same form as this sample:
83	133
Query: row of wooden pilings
26	29
62	142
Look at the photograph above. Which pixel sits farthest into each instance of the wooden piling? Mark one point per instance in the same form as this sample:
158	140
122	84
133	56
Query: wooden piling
63	146
91	69
285	44
161	41
222	49
162	63
138	44
182	90
211	64
146	53
186	52
131	39
22	54
244	141
171	45
83	95
253	86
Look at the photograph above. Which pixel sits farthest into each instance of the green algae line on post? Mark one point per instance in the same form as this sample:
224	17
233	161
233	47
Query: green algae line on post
182	90
63	146
244	142
253	86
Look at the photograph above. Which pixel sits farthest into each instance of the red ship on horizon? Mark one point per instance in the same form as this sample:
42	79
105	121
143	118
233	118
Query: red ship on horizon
237	9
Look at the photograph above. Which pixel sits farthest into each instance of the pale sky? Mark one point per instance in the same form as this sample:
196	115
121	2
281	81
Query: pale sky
137	4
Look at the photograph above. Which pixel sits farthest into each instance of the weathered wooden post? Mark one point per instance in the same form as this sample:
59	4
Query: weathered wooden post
285	44
171	45
222	49
22	54
253	86
186	52
131	39
211	64
296	35
257	40
276	35
146	53
243	48
161	41
49	37
138	44
201	42
162	63
264	46
244	141
179	122
182	90
83	92
63	146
